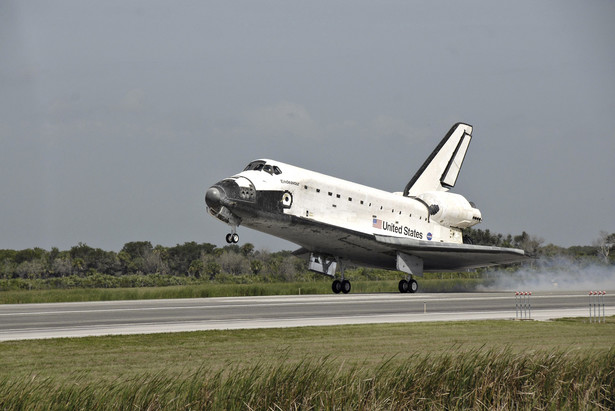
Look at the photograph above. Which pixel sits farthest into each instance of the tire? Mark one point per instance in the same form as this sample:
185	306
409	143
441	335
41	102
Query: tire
336	286
403	286
229	238
413	286
346	286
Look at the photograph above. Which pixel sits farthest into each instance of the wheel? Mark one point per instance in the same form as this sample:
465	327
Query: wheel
229	238
336	286
403	286
413	286
235	238
346	286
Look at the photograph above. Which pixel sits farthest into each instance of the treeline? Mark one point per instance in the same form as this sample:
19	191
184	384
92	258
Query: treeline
600	249
140	258
140	263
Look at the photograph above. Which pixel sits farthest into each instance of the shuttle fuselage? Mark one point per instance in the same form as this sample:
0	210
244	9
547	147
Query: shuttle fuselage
335	220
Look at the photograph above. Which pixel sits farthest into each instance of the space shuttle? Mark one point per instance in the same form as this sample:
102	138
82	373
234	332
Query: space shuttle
337	222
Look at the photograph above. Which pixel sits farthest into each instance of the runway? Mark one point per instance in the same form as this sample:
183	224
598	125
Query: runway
35	321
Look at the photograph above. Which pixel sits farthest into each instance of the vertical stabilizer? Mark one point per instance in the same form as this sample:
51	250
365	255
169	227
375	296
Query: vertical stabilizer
441	169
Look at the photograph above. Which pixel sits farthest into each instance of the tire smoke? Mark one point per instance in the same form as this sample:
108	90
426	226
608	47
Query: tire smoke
554	274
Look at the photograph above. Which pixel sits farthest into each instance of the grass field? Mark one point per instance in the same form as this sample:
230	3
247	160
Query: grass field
481	365
224	290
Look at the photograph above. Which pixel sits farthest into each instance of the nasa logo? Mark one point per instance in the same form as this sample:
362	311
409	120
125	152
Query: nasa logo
429	236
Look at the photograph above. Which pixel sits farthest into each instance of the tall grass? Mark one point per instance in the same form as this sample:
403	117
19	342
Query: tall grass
225	290
493	379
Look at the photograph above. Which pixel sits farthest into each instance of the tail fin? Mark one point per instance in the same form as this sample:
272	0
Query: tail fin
440	170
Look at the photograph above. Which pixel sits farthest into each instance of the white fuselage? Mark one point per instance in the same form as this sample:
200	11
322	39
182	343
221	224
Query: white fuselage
336	202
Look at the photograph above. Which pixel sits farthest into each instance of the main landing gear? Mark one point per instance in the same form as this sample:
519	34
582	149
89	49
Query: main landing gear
327	265
408	286
343	285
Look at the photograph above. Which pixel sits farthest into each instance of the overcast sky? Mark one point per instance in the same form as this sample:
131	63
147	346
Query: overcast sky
116	116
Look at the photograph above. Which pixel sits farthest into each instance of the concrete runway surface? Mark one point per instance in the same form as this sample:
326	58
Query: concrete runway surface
34	321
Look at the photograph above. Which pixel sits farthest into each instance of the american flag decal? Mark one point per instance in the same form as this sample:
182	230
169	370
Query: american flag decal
377	223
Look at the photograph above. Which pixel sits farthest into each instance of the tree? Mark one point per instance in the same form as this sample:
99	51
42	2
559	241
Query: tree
96	259
212	268
53	254
247	249
234	263
30	269
287	268
134	257
256	266
137	249
551	250
61	267
78	265
181	256
196	268
528	243
29	255
604	244
153	262
482	237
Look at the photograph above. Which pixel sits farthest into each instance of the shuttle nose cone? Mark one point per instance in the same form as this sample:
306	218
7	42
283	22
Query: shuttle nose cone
213	198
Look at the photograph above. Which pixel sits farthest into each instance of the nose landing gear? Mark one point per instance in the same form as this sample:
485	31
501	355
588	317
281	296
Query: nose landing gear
232	238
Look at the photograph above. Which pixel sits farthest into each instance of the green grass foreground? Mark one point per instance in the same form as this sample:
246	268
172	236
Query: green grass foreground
565	364
224	290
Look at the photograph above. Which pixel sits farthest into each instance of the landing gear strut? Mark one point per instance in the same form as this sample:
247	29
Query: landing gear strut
342	286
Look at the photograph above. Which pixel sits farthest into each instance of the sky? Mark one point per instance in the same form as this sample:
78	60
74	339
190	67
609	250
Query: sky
116	116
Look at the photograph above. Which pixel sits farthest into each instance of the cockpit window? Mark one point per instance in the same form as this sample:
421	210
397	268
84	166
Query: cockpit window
260	165
255	165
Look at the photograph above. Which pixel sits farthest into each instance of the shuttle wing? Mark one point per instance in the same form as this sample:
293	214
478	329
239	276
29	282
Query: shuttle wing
378	250
441	169
447	256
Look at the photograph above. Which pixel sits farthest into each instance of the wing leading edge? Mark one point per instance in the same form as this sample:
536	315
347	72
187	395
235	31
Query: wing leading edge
447	256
